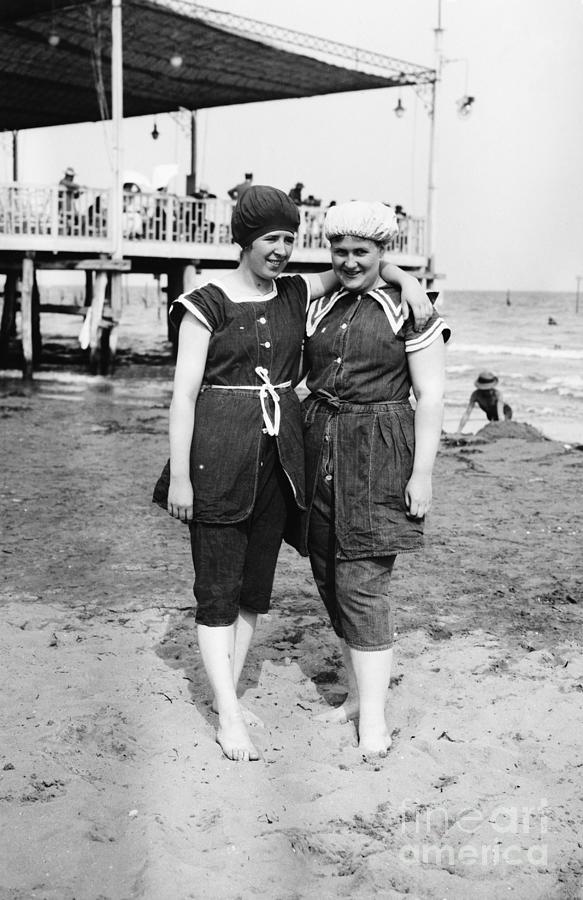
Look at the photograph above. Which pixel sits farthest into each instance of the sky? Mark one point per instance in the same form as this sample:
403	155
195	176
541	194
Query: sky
509	178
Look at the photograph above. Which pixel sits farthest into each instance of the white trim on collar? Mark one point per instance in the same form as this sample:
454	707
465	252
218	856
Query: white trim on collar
321	307
253	298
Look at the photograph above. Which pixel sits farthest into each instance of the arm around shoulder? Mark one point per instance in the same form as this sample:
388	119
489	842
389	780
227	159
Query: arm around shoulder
322	283
413	295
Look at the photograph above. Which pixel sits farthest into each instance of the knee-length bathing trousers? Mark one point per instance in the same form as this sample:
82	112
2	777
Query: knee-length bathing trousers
355	591
235	564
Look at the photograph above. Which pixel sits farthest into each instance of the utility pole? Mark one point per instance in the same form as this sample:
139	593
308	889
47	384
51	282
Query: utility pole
191	179
15	155
102	356
116	127
431	185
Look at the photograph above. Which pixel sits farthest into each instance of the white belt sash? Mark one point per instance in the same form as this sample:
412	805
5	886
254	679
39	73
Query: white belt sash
266	389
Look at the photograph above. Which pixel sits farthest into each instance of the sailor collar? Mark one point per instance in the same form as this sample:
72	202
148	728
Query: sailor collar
320	308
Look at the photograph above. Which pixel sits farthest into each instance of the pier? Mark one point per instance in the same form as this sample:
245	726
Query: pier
162	235
128	58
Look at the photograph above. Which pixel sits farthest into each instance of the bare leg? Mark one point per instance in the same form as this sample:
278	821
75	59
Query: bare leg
244	631
372	670
348	709
217	648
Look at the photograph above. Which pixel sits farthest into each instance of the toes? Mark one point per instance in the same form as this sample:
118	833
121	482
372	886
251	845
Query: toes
375	750
245	756
238	754
374	756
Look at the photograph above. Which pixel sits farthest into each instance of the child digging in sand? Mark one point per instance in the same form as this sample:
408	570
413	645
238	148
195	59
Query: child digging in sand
488	398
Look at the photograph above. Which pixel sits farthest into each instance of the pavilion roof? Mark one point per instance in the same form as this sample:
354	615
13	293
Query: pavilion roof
226	59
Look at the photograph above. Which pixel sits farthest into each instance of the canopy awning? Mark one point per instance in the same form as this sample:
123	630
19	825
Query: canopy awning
55	61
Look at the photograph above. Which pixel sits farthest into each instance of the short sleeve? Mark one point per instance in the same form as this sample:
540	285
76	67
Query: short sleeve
295	286
206	303
417	340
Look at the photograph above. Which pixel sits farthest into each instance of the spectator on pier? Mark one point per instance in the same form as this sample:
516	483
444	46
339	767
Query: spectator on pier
133	211
295	193
488	398
204	227
203	193
97	216
400	239
68	188
69	192
240	189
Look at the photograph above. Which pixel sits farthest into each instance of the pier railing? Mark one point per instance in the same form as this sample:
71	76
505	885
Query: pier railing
47	210
34	215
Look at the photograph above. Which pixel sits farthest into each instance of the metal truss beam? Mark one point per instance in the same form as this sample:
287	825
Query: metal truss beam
401	71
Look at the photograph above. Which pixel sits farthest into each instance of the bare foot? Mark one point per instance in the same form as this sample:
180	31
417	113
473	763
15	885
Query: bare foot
234	741
374	744
342	714
249	717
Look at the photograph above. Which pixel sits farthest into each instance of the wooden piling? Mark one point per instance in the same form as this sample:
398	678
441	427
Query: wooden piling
97	305
8	318
113	331
175	288
88	287
35	323
189	277
26	312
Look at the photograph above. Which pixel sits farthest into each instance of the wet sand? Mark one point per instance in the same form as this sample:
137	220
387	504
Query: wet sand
112	785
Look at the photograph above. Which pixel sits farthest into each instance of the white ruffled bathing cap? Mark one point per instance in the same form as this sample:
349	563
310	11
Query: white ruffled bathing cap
371	220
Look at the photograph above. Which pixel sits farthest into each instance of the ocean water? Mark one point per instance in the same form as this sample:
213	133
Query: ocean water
540	366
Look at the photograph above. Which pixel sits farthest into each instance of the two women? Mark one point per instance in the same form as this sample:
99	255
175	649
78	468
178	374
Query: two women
369	456
236	451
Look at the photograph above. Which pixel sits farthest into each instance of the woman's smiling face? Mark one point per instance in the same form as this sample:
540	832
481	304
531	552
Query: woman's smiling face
269	254
356	262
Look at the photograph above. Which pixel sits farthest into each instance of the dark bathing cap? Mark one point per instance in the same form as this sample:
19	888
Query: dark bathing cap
260	210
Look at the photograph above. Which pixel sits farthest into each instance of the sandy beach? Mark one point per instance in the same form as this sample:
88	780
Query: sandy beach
130	133
112	785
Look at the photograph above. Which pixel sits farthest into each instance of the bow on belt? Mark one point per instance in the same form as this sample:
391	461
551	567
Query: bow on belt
267	389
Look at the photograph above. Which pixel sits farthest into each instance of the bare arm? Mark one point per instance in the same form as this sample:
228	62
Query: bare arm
500	406
322	283
193	343
466	415
427	370
413	296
